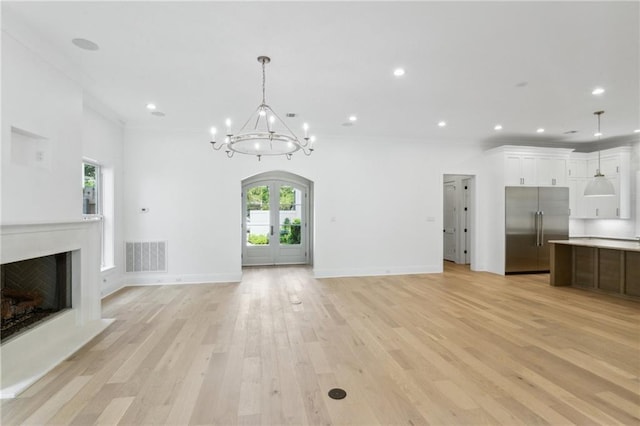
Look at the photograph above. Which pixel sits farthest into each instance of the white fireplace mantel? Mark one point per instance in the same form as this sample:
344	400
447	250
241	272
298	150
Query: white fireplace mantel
30	355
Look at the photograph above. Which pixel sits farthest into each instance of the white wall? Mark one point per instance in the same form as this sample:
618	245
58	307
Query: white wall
39	99
43	106
193	197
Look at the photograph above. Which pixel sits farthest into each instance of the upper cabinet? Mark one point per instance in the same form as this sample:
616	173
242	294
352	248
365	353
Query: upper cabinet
551	171
530	166
577	167
519	170
615	165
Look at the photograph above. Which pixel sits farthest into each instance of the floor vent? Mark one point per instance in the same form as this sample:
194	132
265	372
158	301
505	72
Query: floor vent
146	256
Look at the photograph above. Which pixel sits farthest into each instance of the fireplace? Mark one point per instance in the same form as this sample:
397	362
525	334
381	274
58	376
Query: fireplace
68	269
32	290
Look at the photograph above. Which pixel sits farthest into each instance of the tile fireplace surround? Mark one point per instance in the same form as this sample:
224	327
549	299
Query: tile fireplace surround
27	357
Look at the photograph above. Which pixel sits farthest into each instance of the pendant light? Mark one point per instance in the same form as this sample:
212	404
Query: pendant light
600	186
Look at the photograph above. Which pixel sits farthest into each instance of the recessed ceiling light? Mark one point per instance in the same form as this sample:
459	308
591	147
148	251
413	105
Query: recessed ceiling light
597	134
497	127
442	123
353	118
597	91
158	113
151	107
85	44
540	130
398	72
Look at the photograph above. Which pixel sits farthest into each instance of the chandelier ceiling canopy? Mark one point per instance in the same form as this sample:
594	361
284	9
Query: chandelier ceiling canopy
264	132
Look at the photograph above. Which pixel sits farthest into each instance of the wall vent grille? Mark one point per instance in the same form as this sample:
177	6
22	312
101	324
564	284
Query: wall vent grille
146	256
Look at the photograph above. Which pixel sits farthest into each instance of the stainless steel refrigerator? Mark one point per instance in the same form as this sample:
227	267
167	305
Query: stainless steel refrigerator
533	216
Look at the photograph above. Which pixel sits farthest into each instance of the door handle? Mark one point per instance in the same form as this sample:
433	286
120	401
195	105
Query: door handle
272	230
537	225
541	228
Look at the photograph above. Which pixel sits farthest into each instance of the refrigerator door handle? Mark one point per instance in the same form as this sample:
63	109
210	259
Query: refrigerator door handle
537	225
541	228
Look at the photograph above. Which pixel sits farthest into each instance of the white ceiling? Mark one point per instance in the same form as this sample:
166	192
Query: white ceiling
474	64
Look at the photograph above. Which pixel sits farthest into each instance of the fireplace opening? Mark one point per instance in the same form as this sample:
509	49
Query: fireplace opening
32	290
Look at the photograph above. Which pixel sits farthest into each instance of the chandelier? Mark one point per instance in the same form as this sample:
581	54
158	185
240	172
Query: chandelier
600	186
264	132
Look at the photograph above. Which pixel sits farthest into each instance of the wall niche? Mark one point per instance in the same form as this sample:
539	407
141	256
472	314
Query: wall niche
30	149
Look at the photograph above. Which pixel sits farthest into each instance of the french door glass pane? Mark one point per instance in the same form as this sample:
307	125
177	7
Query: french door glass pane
290	215
258	223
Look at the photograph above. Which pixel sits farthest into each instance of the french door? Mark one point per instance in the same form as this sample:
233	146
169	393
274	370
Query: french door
274	226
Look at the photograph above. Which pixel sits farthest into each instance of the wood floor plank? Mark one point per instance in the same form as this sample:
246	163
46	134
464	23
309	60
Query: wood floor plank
53	404
114	411
459	347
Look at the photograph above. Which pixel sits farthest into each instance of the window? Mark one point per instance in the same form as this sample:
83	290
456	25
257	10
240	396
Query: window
91	203
97	201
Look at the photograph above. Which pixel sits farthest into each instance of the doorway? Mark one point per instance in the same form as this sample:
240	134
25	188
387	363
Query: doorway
276	220
458	218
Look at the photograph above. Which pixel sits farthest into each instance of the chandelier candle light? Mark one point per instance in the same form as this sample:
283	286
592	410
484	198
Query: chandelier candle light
264	132
600	186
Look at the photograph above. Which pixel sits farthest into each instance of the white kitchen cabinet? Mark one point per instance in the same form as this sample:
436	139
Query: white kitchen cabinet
530	166
551	171
603	207
609	165
615	165
577	207
520	170
577	167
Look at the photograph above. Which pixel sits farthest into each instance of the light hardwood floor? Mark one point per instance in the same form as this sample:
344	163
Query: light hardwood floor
444	349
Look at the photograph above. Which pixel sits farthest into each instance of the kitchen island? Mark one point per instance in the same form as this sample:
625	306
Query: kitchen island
600	264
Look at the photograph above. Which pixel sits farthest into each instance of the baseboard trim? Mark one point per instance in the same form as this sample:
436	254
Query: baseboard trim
366	272
179	279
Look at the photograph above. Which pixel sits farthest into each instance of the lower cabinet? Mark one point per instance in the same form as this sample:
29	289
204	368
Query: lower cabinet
632	273
606	270
584	260
609	273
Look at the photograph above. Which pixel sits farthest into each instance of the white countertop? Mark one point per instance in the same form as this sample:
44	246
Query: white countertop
626	245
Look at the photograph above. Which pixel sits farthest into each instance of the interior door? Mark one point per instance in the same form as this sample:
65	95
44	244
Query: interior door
275	229
449	222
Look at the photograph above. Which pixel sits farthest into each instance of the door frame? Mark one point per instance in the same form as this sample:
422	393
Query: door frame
286	178
464	219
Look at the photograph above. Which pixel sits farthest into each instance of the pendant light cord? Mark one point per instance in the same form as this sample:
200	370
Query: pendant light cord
264	79
598	113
